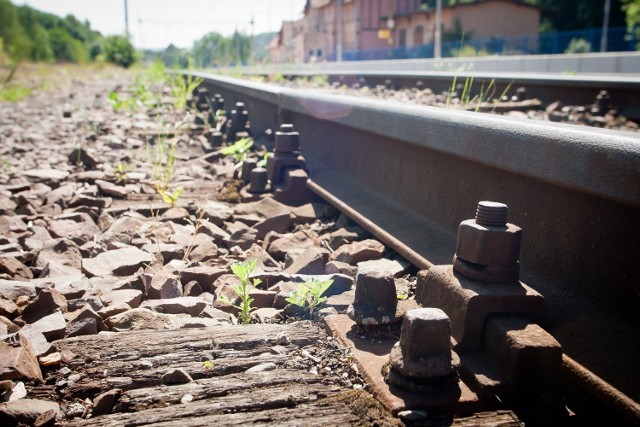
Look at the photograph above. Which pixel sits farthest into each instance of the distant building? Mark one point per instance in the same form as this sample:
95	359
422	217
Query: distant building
379	24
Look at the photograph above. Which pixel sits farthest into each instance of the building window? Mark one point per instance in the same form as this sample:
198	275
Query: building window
418	35
402	39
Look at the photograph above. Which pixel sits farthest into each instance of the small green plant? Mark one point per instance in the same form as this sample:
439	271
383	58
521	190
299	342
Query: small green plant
402	297
181	88
309	294
170	197
578	45
208	365
121	171
239	149
243	270
5	164
12	92
320	80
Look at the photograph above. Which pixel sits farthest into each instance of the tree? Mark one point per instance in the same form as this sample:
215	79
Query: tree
120	51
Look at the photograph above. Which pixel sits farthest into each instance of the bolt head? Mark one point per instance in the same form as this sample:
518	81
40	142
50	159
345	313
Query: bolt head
486	245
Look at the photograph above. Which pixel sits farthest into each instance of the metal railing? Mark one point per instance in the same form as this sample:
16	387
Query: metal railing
619	39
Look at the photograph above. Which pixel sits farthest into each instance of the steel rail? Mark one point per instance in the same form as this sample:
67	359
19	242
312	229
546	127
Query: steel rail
410	174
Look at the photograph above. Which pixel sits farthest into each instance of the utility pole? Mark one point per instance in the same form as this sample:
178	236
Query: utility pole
437	48
339	31
605	26
126	19
252	56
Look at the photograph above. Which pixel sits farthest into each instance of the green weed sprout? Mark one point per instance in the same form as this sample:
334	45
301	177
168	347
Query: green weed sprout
239	149
121	171
181	88
243	270
170	197
309	294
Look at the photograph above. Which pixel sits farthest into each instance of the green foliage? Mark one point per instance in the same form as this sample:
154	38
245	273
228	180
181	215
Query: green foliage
309	294
207	365
119	50
170	197
239	149
468	50
214	50
121	171
577	45
181	89
38	36
243	271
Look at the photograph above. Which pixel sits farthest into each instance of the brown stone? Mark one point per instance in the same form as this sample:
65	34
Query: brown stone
301	239
131	297
60	258
163	285
103	403
48	301
356	252
311	261
17	360
205	276
78	327
15	268
27	411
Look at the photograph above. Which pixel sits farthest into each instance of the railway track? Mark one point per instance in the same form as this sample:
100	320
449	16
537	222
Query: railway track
410	175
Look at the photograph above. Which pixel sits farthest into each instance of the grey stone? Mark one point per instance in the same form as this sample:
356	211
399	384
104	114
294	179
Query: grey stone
267	314
52	326
80	225
192	306
112	189
216	212
118	262
263	367
39	343
384	265
17	392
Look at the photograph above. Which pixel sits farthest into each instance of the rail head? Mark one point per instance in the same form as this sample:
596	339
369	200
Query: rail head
600	162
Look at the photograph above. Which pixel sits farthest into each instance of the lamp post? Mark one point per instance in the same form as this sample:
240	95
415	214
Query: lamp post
437	50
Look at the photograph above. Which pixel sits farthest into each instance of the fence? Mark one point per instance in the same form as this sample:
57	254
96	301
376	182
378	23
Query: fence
619	39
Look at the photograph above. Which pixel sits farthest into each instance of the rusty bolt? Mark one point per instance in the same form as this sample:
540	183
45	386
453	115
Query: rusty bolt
259	180
488	247
218	102
287	139
422	360
247	166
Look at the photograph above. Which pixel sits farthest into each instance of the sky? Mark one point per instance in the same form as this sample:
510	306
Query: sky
154	24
